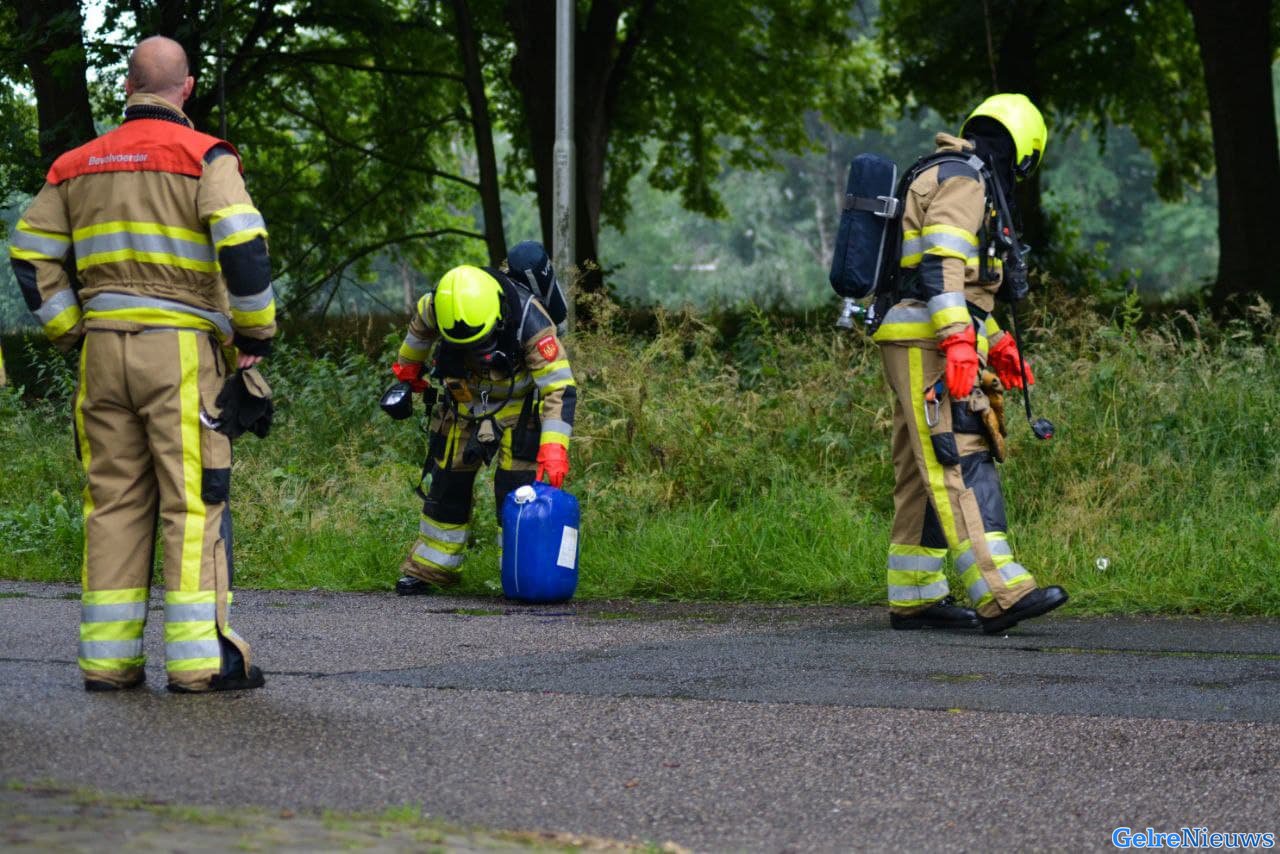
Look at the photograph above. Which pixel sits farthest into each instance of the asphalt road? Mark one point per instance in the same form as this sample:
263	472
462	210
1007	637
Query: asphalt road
719	728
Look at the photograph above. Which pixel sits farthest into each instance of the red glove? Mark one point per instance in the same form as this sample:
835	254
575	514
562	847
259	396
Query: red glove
411	374
554	460
962	362
1005	360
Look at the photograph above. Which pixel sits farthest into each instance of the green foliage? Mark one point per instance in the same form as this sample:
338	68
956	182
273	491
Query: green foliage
753	464
1093	61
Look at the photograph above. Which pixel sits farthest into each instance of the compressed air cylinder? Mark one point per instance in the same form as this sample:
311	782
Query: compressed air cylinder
539	544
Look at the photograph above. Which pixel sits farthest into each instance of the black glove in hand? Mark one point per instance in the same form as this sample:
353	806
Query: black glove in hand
245	405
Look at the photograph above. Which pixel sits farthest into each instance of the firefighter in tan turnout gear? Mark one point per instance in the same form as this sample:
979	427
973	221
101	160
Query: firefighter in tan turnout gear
172	262
935	341
507	392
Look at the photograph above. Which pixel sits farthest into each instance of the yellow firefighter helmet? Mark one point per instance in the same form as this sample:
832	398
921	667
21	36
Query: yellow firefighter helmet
468	304
1023	121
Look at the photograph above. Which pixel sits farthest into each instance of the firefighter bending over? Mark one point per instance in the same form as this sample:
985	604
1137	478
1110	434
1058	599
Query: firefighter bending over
935	341
507	391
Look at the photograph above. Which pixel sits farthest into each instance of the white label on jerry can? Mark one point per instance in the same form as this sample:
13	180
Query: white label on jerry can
568	548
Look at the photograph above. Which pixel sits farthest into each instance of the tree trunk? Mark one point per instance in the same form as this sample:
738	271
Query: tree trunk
53	50
482	128
1017	71
1235	50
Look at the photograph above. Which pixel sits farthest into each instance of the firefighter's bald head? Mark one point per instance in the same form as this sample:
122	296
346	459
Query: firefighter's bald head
158	66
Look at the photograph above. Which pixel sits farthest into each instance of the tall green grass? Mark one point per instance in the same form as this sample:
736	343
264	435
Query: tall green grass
750	461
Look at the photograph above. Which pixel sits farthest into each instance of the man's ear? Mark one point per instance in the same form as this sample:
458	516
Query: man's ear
128	86
188	86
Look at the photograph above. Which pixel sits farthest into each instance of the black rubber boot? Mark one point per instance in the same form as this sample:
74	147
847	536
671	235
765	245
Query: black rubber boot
943	614
410	586
104	685
1042	600
240	681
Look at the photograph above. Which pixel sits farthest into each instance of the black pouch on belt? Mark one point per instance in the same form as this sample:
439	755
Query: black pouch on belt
483	443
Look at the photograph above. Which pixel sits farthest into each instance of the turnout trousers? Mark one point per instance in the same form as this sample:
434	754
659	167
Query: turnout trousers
148	457
455	458
947	498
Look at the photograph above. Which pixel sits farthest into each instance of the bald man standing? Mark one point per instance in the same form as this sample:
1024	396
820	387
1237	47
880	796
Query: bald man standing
175	290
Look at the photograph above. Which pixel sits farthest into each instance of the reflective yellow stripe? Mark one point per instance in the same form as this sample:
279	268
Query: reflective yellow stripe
63	322
952	314
132	227
155	317
190	631
19	254
193	528
916	551
23	225
556	386
261	317
187	665
548	437
968	236
412	354
937	483
146	258
903	332
990	326
114	597
107	665
190	597
944	252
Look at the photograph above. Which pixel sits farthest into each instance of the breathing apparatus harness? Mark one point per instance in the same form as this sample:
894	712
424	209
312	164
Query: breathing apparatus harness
1001	238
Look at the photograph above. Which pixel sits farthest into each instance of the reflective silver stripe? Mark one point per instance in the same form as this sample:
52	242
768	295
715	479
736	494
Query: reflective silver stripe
954	242
442	535
224	228
117	302
1011	571
437	557
915	563
47	246
996	547
928	592
54	306
554	376
914	246
907	314
950	299
415	342
185	650
111	649
978	589
203	612
114	241
554	425
113	613
253	302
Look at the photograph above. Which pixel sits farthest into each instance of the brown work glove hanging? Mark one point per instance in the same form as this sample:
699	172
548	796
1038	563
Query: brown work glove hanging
245	405
993	414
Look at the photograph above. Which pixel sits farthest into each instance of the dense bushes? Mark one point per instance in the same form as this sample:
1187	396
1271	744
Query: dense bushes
747	458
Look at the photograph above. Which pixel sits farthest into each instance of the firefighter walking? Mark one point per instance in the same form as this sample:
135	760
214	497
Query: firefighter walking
174	276
506	392
935	342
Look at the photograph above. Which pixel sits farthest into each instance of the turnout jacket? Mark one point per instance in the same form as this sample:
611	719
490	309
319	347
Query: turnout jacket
162	232
537	361
944	236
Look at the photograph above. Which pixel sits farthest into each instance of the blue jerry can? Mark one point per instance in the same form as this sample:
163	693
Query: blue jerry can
539	544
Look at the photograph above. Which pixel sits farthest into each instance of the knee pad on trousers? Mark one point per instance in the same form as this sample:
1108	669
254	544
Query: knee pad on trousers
981	476
449	498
